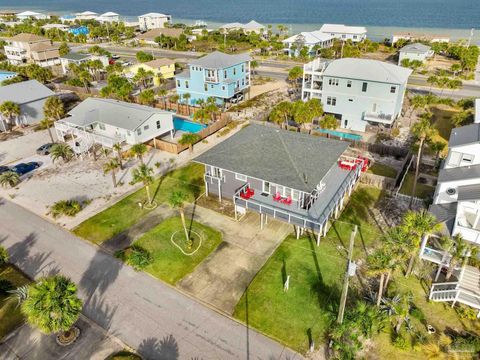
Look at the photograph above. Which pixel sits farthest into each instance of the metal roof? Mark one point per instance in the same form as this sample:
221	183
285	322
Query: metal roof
24	92
464	135
76	56
468	192
459	173
112	112
287	158
219	60
416	48
310	37
153	14
366	69
343	29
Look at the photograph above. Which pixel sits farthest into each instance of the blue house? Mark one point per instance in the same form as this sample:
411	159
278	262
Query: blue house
222	76
79	30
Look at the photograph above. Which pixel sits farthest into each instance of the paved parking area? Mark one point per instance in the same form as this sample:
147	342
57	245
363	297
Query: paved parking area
27	343
16	149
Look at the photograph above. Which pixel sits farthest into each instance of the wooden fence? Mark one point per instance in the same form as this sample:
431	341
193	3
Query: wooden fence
77	89
381	182
176	148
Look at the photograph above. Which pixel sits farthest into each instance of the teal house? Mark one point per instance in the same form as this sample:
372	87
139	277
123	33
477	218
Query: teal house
222	76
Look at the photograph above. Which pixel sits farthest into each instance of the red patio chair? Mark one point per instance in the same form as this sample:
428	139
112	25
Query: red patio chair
287	200
277	197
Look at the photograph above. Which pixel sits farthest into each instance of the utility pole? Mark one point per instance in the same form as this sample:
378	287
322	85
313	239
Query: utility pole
351	267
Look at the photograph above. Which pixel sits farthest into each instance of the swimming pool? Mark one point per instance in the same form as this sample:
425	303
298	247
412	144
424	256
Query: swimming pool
187	126
341	134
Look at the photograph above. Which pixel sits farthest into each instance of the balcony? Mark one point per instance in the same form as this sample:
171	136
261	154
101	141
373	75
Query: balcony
468	225
378	117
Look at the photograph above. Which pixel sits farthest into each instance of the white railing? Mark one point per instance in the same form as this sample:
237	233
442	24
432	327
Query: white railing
434	255
467	233
103	140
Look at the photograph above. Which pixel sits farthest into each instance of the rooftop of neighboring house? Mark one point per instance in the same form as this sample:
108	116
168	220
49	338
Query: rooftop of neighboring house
43	46
86	13
153	14
465	135
26	37
343	29
279	156
252	25
55	26
24	92
416	48
421	36
459	173
219	60
152	34
76	56
445	213
157	63
309	37
366	69
28	13
108	13
112	112
468	192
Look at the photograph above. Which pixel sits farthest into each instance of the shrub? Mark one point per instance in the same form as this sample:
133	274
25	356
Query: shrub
3	256
395	132
466	312
5	286
400	342
466	343
135	256
65	207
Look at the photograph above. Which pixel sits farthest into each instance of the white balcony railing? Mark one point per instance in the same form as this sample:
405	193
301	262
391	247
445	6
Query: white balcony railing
379	117
468	233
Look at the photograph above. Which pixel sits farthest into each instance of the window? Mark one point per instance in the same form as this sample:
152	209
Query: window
241	177
281	190
243	68
186	84
344	36
364	87
243	82
216	172
139	131
225	74
393	89
266	187
345	123
206	87
178	83
211	86
351	100
349	83
234	71
354	36
101	126
467	158
223	87
146	127
454	158
295	194
333	82
331	100
158	124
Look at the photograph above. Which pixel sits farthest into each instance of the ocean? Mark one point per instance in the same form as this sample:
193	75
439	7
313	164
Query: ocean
381	17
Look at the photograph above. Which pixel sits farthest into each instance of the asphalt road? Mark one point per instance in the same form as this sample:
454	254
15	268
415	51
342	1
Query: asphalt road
143	312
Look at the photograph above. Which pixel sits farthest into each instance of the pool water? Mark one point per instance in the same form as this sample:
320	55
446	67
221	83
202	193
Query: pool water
187	126
341	134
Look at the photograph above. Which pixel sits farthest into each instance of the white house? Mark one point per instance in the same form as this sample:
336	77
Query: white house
108	17
310	39
108	122
86	15
153	21
417	51
343	32
79	58
417	36
26	15
359	92
30	48
60	27
250	27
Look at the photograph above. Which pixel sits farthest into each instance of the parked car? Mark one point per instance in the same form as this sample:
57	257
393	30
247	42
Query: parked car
4	169
23	168
115	56
45	149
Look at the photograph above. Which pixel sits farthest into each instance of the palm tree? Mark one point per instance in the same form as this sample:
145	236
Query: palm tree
111	167
142	76
253	66
9	178
189	139
53	110
9	111
211	107
424	131
177	201
379	264
186	98
147	97
118	148
432	80
294	74
61	151
52	304
139	150
459	251
329	122
398	308
416	224
437	147
455	68
174	99
85	77
163	93
202	116
143	174
95	66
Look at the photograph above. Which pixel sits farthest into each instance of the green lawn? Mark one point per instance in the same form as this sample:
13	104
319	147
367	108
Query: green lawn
169	263
442	116
422	191
126	212
382	170
10	316
315	282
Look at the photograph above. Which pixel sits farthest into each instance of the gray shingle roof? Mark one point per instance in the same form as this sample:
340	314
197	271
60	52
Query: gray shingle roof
416	48
24	92
112	112
445	213
468	192
219	60
366	69
295	160
75	56
464	135
459	173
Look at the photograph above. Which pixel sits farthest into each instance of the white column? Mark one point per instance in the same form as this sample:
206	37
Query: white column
261	221
325	228
422	246
206	188
297	231
219	191
235	209
336	211
319	235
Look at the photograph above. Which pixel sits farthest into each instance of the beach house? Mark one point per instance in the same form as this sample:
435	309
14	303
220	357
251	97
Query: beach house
162	69
30	96
358	92
153	20
417	51
150	36
108	17
79	59
408	36
86	15
221	76
296	178
344	32
108	122
250	27
31	15
31	48
314	41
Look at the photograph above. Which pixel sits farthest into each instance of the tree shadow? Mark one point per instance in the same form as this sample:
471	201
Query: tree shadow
96	308
165	349
102	271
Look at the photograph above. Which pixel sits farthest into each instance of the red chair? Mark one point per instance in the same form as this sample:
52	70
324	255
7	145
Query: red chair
287	200
277	197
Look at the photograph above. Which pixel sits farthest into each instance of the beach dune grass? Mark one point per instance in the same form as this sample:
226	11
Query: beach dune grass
169	263
127	212
306	310
10	315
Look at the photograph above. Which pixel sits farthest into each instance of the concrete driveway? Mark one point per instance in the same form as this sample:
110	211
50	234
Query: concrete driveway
21	147
223	276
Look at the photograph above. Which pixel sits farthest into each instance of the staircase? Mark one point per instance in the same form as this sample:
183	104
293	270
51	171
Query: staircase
470	280
443	292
